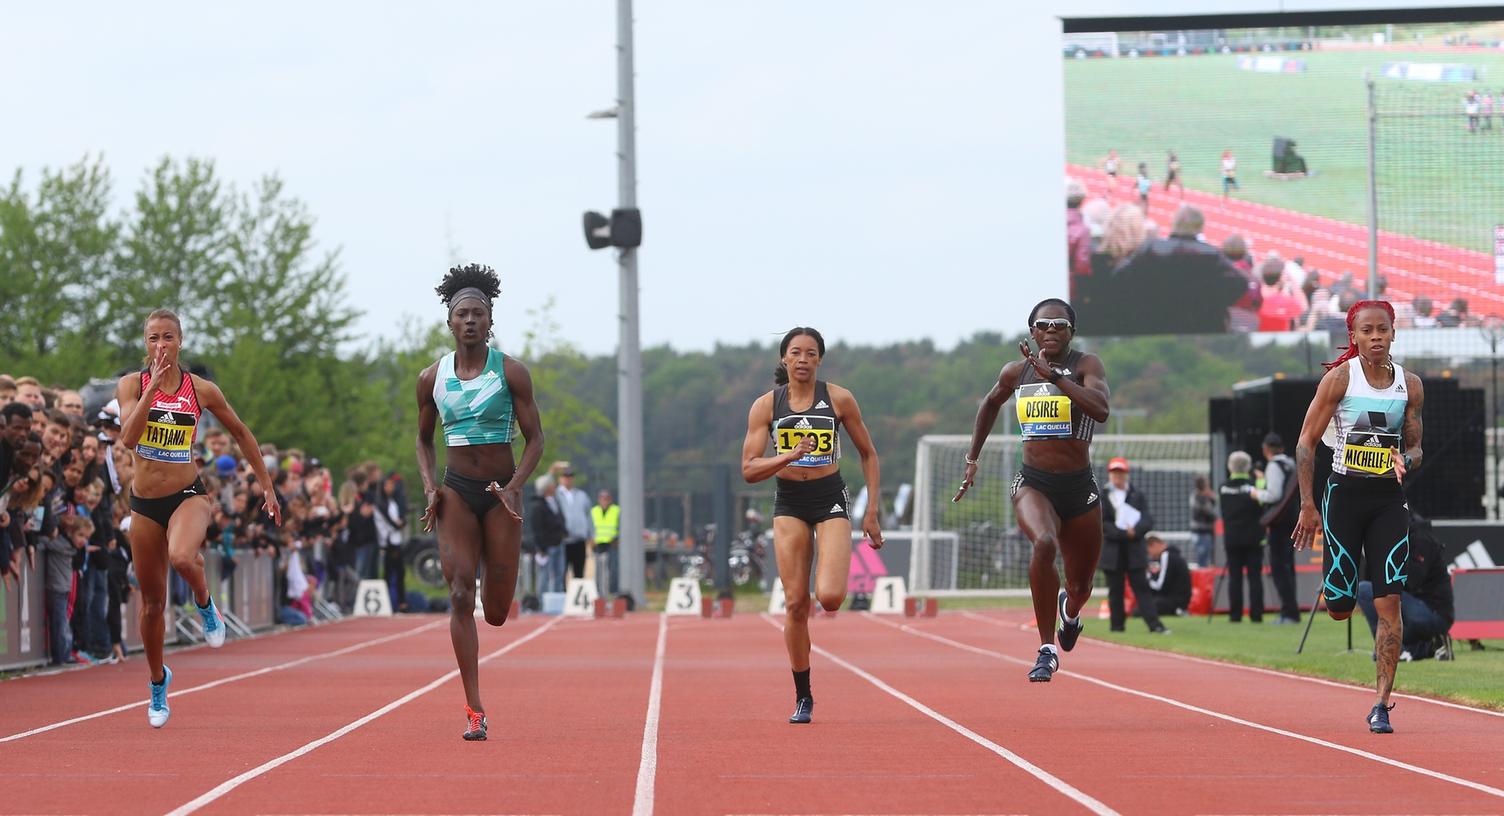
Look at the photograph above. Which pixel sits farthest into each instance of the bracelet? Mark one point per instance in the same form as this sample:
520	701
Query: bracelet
970	461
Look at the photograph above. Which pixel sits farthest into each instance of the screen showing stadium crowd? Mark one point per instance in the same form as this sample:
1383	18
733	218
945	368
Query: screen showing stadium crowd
64	515
1245	180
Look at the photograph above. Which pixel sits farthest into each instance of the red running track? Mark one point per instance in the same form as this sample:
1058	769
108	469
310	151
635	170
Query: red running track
1412	266
931	716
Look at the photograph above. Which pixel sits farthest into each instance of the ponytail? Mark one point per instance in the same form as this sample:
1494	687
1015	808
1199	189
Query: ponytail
1350	350
781	375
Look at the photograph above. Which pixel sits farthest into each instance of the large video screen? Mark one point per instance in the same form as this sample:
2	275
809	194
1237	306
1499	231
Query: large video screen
1225	180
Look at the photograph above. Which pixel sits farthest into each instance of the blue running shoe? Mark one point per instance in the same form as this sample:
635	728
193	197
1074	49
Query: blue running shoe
803	708
158	712
1378	719
214	625
1068	632
1045	666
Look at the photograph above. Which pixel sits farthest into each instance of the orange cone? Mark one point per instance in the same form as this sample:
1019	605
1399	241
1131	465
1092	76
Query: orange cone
1103	611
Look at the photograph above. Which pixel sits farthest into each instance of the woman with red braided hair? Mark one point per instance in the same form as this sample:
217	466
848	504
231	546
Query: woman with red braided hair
1367	410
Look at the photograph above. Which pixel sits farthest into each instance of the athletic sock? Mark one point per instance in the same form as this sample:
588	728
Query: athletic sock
1051	647
801	684
1069	621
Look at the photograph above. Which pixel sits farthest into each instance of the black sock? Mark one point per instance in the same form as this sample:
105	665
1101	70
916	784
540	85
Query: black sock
801	684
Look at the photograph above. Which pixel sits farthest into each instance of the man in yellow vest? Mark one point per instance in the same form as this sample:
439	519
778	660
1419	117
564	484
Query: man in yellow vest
606	516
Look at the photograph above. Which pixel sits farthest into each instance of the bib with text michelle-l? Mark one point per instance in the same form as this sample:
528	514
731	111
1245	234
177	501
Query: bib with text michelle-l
789	431
1043	411
1370	452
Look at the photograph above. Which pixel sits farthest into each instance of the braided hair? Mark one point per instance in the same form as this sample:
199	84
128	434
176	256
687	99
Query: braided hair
1351	349
471	276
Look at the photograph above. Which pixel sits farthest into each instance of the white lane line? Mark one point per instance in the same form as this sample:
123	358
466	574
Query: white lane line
1320	681
1358	752
647	769
1055	782
229	785
223	680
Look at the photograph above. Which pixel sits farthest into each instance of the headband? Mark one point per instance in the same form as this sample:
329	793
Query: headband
468	292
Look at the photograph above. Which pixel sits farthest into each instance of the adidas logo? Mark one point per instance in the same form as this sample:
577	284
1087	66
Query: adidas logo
803	424
1400	388
1064	372
1042	391
837	508
821	404
1373	442
1091	498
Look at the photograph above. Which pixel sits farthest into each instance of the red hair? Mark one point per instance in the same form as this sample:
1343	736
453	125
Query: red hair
1350	351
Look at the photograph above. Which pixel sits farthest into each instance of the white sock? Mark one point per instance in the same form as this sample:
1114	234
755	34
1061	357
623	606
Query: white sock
1050	647
1071	621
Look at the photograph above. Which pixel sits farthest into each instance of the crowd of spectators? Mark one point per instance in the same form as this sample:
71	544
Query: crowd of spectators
65	488
1127	278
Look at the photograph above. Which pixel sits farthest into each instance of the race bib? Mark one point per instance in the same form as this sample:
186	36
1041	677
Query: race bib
1043	412
1369	452
168	436
791	430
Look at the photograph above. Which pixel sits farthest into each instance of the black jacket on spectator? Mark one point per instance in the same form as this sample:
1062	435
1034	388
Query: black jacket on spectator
1174	284
1428	578
1113	539
1241	527
1172	575
547	523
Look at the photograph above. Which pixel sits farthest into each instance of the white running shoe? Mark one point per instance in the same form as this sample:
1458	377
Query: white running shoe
157	711
214	625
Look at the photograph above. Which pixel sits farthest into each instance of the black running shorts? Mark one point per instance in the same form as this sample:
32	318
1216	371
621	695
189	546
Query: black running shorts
1365	524
160	509
813	501
1071	494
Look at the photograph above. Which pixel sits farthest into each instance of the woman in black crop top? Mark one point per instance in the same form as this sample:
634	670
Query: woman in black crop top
803	415
1062	395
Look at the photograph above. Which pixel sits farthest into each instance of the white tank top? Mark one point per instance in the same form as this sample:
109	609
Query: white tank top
1367	424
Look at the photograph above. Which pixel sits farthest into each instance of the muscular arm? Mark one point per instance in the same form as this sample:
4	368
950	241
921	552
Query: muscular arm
992	404
851	416
428	416
1410	432
132	422
213	400
1092	392
1318	416
526	410
755	466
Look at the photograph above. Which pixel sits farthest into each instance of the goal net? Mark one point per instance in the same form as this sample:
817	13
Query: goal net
974	548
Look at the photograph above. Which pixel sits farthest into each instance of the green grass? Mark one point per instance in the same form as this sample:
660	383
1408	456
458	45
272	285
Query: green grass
1475	678
1436	179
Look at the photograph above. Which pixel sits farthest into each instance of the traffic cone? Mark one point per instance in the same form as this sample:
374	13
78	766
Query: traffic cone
1103	611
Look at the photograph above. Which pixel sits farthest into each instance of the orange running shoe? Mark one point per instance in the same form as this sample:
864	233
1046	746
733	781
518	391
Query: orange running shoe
477	729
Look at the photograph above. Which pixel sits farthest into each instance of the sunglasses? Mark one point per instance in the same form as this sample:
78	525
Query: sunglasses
1057	323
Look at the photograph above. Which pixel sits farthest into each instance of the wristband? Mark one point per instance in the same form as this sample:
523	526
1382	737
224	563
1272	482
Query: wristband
1409	462
1055	375
970	461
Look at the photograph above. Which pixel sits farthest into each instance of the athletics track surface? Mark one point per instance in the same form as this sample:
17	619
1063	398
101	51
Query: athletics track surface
928	716
1411	266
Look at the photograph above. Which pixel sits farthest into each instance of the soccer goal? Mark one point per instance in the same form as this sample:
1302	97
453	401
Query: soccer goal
974	548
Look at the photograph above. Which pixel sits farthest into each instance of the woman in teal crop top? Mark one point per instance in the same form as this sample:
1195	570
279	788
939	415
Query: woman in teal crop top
477	393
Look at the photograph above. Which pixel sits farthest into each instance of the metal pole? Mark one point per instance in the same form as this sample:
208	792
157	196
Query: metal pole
1373	192
629	465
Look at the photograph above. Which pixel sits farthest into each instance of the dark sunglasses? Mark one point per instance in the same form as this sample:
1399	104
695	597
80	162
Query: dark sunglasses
1058	323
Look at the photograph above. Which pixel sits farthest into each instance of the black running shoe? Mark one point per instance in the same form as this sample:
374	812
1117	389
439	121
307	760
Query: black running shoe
803	708
476	724
1378	719
1045	667
1067	633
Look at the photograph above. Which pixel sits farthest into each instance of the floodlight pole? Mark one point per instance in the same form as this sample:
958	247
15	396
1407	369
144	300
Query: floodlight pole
1373	192
629	455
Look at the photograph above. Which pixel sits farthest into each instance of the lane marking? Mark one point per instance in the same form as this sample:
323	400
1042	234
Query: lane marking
223	680
1358	752
1055	782
1320	681
647	768
229	785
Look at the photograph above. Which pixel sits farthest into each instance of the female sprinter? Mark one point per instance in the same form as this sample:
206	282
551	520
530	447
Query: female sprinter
476	391
1061	396
810	506
1367	409
171	511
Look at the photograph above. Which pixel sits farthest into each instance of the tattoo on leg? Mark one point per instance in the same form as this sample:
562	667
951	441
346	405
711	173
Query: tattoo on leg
1387	649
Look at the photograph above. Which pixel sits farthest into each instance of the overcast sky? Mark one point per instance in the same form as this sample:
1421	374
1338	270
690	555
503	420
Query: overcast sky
834	164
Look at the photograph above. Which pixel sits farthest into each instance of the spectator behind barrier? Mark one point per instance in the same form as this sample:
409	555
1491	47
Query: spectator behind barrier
1178	283
1426	607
